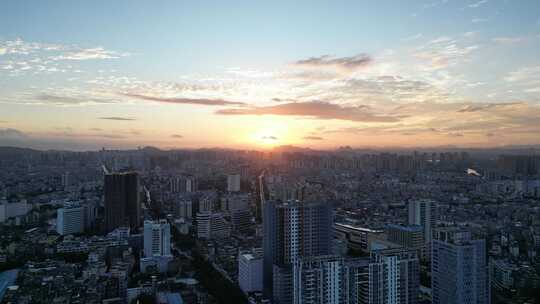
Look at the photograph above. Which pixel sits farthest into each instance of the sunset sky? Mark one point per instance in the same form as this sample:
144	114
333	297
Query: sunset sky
253	74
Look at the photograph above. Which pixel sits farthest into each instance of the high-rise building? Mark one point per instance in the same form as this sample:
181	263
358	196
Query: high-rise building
394	277
291	230
203	224
157	238
119	274
122	202
459	271
519	164
90	213
356	237
207	201
65	180
183	184
241	220
184	209
70	219
176	185
191	184
358	281
233	202
250	272
410	237
330	280
233	182
423	212
212	225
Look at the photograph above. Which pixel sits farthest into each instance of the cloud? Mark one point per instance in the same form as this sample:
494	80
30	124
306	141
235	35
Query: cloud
532	90
477	4
433	97
21	47
483	107
508	40
413	37
312	138
276	99
341	63
64	129
177	136
379	92
434	4
526	78
270	137
68	133
316	110
96	129
479	20
23	57
392	86
474	84
70	99
503	118
79	141
401	129
89	54
525	73
312	75
60	52
444	52
12	134
118	118
352	130
182	100
249	73
468	121
109	136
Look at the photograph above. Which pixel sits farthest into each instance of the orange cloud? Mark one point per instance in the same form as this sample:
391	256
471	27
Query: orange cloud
182	100
315	109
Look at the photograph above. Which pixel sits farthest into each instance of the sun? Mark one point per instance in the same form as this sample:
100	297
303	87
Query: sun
267	137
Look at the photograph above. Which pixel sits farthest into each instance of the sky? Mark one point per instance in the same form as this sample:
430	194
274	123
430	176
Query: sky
251	74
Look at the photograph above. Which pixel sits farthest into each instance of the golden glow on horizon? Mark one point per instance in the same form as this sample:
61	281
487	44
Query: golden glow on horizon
267	137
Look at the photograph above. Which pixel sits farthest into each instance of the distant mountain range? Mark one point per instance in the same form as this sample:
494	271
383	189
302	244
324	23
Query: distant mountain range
11	151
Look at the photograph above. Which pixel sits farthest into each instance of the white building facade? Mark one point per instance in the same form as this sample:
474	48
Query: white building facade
250	272
70	219
157	238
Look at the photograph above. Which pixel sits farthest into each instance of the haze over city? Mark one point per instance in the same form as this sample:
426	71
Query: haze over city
243	74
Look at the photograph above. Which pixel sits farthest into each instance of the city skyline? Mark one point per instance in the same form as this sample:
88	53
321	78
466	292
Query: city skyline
253	75
235	226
